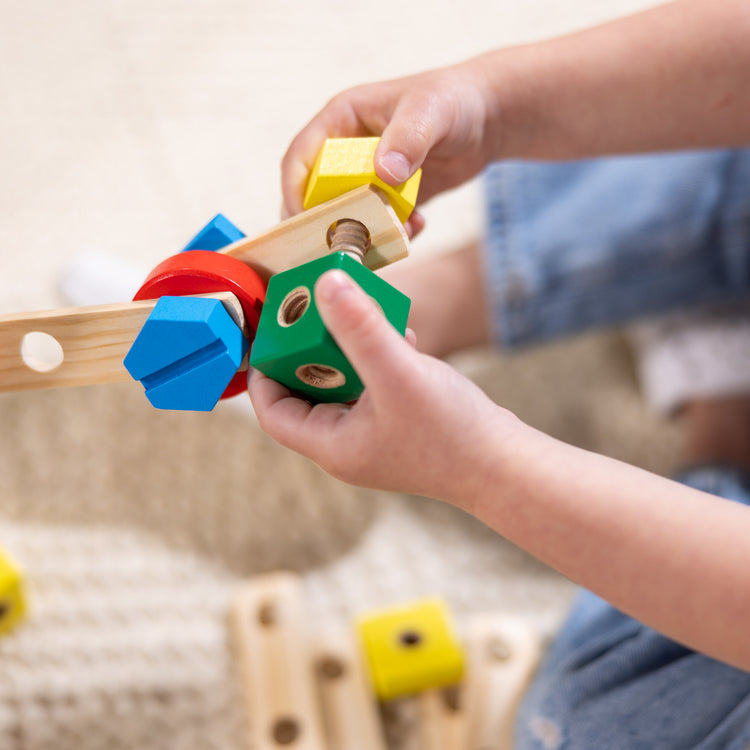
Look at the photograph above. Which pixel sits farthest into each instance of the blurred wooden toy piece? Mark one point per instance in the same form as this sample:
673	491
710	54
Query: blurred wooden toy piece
411	648
502	654
276	664
348	704
441	719
318	687
12	593
344	164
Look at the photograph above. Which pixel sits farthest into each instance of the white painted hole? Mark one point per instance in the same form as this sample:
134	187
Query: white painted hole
41	352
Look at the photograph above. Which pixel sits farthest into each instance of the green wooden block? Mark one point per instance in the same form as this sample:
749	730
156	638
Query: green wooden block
293	346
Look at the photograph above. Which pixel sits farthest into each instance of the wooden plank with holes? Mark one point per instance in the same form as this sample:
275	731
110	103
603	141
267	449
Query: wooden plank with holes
76	346
306	237
503	653
347	699
442	719
275	664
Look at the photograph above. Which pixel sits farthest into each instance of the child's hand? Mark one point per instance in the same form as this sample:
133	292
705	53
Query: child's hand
436	120
419	427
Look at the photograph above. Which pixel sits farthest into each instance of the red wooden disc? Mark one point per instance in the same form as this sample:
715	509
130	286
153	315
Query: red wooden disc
203	272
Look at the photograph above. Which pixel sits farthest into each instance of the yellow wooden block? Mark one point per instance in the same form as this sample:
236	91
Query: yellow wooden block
12	594
344	164
411	648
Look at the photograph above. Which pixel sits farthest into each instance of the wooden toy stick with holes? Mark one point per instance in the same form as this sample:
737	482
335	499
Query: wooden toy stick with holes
326	686
203	314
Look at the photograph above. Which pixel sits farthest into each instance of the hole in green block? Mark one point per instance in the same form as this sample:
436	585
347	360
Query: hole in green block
320	376
294	306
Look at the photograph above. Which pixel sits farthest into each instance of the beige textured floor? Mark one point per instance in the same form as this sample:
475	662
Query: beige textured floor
124	127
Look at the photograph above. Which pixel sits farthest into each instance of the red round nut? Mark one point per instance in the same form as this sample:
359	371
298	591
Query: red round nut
204	272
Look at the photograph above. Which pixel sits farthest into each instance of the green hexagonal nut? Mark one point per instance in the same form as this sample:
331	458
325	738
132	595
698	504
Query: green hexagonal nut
293	347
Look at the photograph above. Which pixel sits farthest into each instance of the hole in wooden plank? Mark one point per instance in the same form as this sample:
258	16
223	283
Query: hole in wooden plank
349	236
285	731
498	649
41	352
452	698
331	668
267	615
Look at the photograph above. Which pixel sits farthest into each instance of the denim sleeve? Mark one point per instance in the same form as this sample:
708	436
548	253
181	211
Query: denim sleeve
575	245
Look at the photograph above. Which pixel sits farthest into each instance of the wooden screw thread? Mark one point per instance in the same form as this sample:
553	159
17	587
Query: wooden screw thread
351	237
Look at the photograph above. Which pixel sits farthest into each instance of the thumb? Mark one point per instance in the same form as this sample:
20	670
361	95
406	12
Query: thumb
373	347
407	139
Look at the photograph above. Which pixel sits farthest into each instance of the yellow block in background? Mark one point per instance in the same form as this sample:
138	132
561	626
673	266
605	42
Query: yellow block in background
12	593
411	648
344	164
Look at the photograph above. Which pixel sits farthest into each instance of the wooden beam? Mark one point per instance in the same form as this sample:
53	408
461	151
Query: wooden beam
349	706
305	237
89	342
275	664
503	653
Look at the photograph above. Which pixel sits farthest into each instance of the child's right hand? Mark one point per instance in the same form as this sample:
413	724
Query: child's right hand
439	120
419	427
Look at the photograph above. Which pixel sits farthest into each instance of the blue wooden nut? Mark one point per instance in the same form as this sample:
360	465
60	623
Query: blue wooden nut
186	353
217	234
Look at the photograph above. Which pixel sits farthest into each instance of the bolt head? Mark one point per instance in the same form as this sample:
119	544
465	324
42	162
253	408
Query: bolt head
187	352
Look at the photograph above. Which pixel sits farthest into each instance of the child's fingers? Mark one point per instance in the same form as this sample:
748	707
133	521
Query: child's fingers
407	139
293	422
414	224
273	402
296	166
290	420
371	344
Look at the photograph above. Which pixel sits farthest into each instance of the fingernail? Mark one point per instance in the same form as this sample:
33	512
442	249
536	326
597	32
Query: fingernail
396	165
331	284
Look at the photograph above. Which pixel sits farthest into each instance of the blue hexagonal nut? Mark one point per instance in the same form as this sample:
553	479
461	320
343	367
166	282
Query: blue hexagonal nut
218	233
186	353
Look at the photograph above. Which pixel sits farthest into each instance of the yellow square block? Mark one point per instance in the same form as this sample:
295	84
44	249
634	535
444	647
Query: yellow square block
12	594
344	164
411	648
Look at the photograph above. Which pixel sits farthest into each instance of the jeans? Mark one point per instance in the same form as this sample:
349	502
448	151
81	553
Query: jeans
574	246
